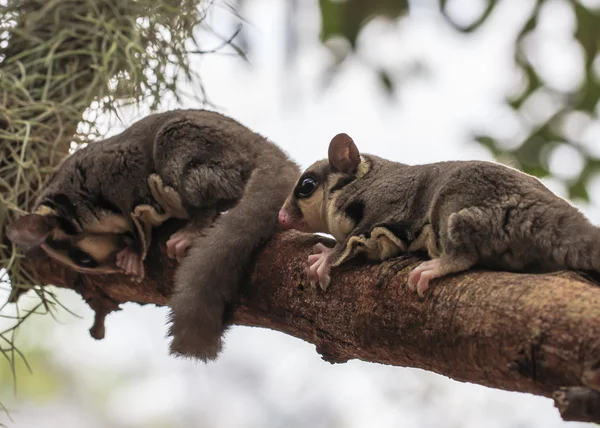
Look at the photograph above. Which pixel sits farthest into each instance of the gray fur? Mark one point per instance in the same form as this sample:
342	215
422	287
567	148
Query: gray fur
209	276
462	213
485	212
213	163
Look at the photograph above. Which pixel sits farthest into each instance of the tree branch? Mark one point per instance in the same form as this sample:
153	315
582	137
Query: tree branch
519	332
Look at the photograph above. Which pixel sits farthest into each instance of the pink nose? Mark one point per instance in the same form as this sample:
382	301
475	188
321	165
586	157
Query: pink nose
284	220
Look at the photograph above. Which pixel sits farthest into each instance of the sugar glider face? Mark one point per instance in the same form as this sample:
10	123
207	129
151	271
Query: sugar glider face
311	207
305	207
86	248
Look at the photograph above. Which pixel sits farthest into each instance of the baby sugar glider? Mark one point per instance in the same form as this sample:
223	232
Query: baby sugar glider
462	213
227	183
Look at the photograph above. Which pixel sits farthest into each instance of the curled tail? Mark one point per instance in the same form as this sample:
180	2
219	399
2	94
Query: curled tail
209	277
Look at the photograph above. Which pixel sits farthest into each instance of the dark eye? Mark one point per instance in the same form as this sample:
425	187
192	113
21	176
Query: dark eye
306	187
82	258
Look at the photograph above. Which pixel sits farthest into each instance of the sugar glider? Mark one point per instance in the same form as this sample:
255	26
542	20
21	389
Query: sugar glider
96	213
462	213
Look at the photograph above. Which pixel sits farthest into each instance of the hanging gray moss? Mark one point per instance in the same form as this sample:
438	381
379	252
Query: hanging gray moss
58	58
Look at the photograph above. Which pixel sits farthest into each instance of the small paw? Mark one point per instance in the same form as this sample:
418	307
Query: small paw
130	262
179	242
419	278
320	266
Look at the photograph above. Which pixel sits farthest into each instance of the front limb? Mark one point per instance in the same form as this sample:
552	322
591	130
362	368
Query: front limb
458	247
319	262
145	217
324	258
183	239
130	262
378	244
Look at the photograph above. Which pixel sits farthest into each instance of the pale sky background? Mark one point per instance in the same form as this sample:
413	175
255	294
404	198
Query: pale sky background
265	379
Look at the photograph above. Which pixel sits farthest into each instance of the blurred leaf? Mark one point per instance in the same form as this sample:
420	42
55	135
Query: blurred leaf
577	190
585	98
475	25
588	98
531	23
532	85
386	81
536	170
588	31
489	143
39	387
345	18
530	153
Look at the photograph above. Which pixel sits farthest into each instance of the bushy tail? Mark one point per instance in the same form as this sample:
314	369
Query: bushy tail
210	275
579	248
564	238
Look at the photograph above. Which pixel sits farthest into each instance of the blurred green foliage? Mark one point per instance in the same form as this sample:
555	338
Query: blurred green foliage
346	18
39	387
530	152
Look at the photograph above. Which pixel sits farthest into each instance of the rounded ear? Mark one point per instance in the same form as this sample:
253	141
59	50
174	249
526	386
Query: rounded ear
31	230
343	154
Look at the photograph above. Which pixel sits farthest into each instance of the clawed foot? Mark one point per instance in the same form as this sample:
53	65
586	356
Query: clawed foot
419	278
320	266
179	242
130	262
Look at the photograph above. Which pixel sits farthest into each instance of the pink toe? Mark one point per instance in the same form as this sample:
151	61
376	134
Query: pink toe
313	258
413	279
321	249
423	284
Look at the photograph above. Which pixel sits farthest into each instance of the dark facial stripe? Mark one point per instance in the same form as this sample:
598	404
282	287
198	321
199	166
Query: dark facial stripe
62	204
67	226
79	257
82	258
67	212
341	183
355	211
58	244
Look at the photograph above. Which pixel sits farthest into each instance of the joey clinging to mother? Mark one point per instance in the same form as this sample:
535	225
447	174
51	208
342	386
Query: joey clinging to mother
97	211
223	181
461	213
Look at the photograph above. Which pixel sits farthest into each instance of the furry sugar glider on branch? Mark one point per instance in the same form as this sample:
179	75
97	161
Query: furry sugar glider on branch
462	213
97	212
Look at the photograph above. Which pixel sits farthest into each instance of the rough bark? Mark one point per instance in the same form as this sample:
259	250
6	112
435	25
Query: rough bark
519	332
